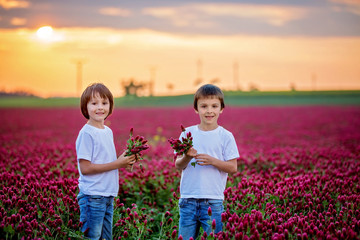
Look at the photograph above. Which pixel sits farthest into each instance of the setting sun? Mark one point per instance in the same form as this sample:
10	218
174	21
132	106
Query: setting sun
45	33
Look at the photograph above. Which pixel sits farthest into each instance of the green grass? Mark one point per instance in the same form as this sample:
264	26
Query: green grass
294	98
231	99
38	102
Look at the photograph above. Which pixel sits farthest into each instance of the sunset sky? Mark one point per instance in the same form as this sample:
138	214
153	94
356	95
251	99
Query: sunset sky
179	44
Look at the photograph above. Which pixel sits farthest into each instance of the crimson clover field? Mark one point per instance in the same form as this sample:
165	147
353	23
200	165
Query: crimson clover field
298	173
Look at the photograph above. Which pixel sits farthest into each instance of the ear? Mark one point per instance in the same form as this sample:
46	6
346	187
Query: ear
196	111
221	110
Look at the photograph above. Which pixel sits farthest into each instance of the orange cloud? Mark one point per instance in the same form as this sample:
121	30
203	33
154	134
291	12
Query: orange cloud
191	14
8	4
275	15
352	6
112	11
18	21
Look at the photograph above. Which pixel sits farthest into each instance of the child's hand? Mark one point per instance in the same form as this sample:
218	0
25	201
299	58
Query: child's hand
191	152
204	159
126	161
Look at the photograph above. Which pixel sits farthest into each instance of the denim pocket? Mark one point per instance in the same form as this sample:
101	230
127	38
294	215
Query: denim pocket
96	201
215	202
216	205
96	197
182	202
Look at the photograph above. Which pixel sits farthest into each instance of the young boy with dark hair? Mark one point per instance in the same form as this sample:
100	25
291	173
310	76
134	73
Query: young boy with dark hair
215	153
98	164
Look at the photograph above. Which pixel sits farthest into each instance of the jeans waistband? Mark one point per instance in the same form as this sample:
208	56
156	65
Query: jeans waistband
198	199
81	195
202	200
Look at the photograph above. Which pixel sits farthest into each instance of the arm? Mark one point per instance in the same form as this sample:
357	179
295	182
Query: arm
229	166
182	162
87	168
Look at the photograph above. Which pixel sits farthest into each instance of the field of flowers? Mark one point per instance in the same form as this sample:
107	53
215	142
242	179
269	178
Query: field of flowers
298	174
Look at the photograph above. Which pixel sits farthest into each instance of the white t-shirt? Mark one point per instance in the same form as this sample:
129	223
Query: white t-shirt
97	145
208	181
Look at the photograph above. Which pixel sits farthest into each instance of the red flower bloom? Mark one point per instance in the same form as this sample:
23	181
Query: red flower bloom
213	224
135	146
183	145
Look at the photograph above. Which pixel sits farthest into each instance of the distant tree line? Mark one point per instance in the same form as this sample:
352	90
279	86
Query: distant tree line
16	94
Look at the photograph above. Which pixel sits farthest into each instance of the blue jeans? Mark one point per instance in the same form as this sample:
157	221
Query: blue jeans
194	213
96	214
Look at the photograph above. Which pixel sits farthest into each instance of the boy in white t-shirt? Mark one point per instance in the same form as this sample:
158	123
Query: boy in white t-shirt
215	153
98	164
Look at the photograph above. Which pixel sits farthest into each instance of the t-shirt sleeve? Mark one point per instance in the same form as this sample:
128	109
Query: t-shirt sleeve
84	146
230	150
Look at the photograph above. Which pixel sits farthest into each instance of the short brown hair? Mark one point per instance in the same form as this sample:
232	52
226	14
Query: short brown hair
90	91
209	90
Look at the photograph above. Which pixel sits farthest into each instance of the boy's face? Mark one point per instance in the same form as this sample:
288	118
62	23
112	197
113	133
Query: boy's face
98	109
209	109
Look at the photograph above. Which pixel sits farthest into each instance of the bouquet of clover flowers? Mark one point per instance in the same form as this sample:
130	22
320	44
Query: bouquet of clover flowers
135	145
182	146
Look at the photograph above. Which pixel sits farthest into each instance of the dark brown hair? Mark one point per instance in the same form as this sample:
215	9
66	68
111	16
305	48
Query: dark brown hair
209	90
90	91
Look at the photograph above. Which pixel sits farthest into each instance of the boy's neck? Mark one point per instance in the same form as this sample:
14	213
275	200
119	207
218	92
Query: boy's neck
205	127
96	124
